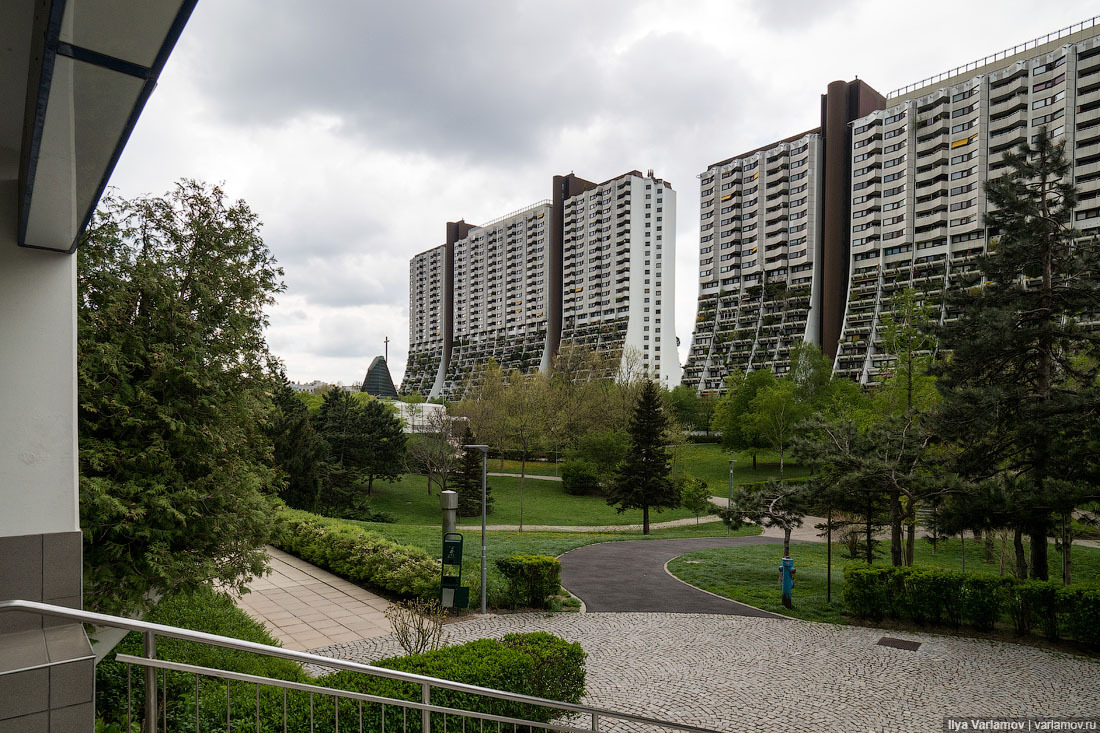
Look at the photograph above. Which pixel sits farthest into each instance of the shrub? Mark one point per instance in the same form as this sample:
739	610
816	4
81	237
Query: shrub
359	555
538	664
865	592
1080	607
1040	600
580	477
532	579
983	601
199	610
417	625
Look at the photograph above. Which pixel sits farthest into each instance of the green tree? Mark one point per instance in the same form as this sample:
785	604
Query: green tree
780	504
299	452
642	479
1020	386
695	496
732	408
467	480
683	403
907	331
525	398
385	443
773	414
175	383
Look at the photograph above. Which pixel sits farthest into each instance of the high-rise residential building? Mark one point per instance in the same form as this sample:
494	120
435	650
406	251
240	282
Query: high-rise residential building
899	204
919	167
773	246
496	291
619	274
429	313
501	302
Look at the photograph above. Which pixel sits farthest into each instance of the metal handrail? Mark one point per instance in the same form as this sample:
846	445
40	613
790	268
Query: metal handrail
333	692
151	630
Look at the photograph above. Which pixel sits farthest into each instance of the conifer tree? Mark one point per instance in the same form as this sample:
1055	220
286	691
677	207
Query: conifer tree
642	479
467	482
1021	380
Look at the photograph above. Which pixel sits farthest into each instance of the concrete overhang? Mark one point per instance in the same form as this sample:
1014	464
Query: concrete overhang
86	69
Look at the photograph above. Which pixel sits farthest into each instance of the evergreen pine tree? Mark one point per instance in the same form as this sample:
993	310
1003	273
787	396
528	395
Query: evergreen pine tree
1022	376
468	481
298	451
642	479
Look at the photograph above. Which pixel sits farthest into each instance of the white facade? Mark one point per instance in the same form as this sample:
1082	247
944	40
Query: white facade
502	297
428	277
619	260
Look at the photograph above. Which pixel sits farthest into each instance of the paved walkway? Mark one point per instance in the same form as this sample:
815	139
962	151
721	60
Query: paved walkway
591	528
735	673
305	607
631	576
540	477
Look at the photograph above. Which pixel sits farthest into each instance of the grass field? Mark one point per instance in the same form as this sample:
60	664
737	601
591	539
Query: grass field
710	462
544	502
751	574
502	544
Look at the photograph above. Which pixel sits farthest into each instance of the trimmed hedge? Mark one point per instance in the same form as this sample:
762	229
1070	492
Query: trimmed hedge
532	579
538	664
941	596
359	555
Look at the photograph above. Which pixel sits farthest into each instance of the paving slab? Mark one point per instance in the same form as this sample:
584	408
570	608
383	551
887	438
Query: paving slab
305	607
740	673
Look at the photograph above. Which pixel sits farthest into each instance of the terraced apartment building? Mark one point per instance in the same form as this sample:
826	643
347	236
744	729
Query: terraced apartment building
900	204
429	293
587	267
619	274
773	246
919	167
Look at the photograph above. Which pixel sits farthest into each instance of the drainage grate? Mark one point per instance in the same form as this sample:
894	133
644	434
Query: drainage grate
909	646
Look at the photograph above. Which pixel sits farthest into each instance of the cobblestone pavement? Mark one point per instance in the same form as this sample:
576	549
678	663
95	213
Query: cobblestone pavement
734	673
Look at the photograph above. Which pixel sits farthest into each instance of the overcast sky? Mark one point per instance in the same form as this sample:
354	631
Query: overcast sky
356	129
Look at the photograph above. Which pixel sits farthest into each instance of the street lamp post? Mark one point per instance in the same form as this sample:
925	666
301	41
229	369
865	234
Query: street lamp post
729	500
484	461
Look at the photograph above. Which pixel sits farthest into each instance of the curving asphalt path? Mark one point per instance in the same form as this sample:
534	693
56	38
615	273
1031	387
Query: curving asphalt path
630	577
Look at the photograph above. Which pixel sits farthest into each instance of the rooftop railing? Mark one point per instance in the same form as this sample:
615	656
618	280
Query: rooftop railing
1005	54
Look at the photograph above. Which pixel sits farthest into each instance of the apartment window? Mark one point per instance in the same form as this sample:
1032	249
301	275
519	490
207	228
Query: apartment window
893	133
894	118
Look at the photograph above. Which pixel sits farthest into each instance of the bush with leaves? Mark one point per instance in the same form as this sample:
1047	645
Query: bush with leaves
532	579
359	555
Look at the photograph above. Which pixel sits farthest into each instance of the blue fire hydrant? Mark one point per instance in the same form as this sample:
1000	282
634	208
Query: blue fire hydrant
786	573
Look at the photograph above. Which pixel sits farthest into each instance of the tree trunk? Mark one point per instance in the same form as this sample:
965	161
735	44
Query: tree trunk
962	536
869	538
787	540
1037	533
1067	549
522	484
645	519
1018	546
910	542
895	530
781	460
990	547
370	484
754	460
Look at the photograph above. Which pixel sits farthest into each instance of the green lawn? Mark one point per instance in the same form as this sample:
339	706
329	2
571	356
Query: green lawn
534	468
502	544
751	574
544	502
710	462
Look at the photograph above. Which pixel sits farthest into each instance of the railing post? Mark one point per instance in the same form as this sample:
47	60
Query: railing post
425	715
595	721
150	649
